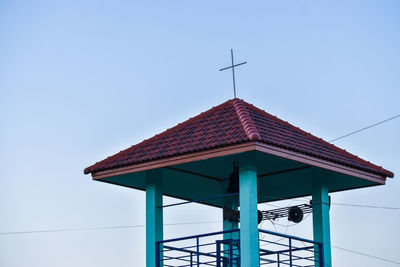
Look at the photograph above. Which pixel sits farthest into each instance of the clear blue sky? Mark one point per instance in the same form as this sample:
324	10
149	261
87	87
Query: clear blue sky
81	80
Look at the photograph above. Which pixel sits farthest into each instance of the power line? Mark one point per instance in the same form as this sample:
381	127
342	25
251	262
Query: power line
367	255
167	224
171	224
365	128
306	200
345	249
366	206
356	205
96	228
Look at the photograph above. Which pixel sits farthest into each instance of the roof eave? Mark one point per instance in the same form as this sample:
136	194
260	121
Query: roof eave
239	148
174	160
321	163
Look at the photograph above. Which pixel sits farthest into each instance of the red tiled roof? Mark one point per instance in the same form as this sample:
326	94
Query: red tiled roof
233	122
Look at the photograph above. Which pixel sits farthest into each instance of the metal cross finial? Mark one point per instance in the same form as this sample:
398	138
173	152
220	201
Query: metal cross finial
233	72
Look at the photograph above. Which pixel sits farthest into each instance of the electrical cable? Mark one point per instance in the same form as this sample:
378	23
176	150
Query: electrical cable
303	199
97	228
367	255
365	206
365	128
185	223
293	224
286	229
169	224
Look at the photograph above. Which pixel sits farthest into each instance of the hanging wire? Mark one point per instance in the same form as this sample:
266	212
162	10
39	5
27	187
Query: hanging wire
366	255
365	128
366	206
97	228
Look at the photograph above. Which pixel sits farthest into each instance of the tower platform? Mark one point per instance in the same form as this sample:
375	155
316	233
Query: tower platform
212	249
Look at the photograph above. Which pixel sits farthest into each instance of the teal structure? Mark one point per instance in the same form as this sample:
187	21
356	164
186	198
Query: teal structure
249	195
321	225
267	173
252	189
182	182
154	214
249	240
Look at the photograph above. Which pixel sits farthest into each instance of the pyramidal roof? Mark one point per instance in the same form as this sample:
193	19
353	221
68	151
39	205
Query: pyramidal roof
233	122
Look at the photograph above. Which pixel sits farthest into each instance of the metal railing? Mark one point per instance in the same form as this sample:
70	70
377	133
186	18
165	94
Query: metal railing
285	250
222	249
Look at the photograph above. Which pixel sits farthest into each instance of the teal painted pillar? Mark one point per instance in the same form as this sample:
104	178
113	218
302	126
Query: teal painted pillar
228	226
249	239
154	215
321	227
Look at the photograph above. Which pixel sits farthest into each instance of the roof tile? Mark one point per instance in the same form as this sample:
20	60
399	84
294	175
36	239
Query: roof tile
232	122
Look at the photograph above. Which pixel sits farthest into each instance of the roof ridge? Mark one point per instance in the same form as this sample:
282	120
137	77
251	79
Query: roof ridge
245	120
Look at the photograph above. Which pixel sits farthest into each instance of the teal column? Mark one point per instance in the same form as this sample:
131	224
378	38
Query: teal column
154	215
228	226
249	238
321	227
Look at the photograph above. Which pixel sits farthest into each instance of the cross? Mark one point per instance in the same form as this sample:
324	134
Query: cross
233	72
